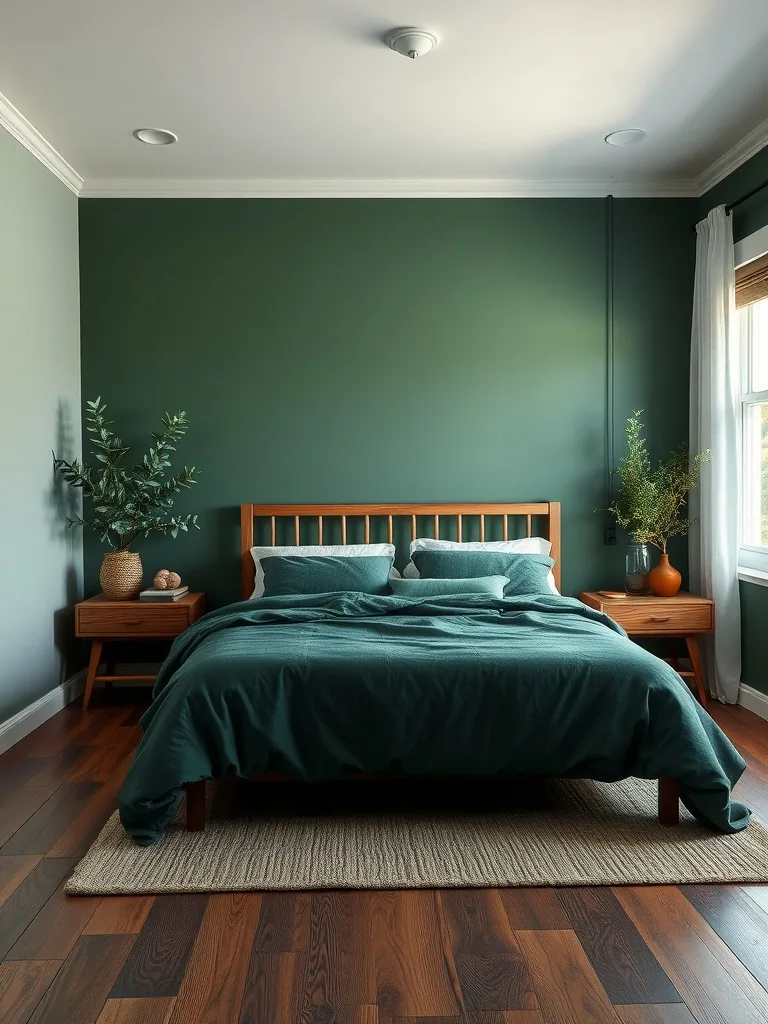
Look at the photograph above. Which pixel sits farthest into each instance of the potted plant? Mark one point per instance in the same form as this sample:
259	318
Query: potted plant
127	501
651	507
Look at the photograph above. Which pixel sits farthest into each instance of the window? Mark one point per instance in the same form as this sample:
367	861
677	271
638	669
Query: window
752	303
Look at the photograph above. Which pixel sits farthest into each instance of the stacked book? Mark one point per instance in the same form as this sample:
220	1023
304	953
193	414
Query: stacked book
163	595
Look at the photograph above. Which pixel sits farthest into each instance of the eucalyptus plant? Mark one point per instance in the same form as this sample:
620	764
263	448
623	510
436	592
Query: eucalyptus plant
127	501
651	503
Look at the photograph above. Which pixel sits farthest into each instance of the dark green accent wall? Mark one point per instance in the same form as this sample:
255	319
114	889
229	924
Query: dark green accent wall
752	214
385	350
749	217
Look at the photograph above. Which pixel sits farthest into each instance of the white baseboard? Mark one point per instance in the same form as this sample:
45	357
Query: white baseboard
29	718
753	700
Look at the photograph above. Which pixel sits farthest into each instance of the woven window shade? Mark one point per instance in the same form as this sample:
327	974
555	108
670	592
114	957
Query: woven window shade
752	281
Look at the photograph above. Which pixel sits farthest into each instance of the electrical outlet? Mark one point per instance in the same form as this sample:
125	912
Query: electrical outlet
610	535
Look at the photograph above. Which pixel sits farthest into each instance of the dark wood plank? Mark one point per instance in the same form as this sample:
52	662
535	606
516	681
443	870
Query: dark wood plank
81	987
412	976
529	910
491	969
22	985
567	987
43	828
19	806
22	772
21	907
56	769
13	871
103	760
739	922
136	1011
214	982
159	958
340	964
274	987
75	840
283	923
119	915
714	984
627	969
55	929
669	1013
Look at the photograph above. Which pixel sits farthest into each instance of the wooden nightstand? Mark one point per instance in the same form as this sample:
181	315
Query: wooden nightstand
104	620
683	615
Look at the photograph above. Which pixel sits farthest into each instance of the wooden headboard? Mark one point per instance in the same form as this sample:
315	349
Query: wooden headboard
547	511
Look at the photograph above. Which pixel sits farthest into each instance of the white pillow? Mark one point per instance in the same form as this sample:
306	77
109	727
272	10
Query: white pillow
522	546
350	550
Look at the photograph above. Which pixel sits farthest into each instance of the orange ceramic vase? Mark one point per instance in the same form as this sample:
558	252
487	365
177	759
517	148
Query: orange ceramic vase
664	580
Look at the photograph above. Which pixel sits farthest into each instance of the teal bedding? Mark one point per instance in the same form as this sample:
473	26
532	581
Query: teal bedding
465	685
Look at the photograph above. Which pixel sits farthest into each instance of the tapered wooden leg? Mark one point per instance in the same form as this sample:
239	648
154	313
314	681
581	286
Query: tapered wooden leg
195	806
692	642
669	802
93	668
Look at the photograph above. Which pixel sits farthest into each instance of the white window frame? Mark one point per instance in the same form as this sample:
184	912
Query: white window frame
753	559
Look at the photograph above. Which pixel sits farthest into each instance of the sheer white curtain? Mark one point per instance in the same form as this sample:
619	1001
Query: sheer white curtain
715	423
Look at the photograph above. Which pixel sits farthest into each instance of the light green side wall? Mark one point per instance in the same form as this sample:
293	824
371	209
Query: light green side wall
385	350
748	218
39	411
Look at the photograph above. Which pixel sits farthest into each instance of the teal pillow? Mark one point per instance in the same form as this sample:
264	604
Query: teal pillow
527	574
490	585
323	574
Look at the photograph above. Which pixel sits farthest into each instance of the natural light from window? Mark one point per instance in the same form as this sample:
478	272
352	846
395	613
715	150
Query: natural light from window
753	330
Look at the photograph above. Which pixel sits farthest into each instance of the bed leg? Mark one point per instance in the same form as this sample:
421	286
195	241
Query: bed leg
195	806
669	802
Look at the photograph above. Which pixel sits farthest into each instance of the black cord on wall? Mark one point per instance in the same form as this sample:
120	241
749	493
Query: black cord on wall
609	347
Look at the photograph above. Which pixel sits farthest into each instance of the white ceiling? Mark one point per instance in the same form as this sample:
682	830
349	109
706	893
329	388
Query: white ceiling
292	91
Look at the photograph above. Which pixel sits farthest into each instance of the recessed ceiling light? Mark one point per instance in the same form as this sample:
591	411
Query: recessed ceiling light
625	137
155	136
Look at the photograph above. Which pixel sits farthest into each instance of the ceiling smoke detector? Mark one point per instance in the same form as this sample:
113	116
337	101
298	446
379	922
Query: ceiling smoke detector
411	42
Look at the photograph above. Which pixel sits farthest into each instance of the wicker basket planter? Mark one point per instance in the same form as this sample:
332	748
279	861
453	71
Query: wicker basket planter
120	575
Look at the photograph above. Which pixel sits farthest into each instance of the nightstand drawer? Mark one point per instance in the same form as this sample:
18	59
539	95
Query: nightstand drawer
106	619
677	619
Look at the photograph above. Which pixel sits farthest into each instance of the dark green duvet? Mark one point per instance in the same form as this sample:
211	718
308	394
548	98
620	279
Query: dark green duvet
465	685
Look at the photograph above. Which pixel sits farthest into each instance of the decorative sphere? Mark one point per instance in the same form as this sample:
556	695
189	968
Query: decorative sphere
160	582
163	572
173	580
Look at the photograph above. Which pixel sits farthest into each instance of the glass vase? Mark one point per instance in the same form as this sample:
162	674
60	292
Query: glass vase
638	565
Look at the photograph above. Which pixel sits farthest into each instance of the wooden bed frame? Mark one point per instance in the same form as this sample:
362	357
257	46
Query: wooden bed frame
546	513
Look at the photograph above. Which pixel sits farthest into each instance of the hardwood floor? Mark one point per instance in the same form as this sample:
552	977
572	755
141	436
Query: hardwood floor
635	955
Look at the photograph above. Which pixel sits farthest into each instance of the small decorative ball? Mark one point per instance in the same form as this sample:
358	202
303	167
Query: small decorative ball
173	580
160	582
163	572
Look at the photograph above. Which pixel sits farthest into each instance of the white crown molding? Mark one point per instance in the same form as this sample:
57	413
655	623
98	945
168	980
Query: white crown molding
23	131
734	158
443	188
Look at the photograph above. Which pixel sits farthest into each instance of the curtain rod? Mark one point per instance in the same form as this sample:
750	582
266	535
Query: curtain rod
747	195
742	199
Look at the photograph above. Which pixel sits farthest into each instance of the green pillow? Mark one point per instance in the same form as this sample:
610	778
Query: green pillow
527	574
323	574
491	585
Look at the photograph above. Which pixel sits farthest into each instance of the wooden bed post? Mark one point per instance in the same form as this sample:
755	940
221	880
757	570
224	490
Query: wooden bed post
669	802
195	806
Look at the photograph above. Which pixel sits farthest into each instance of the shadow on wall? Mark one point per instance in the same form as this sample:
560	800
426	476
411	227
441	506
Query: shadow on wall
63	503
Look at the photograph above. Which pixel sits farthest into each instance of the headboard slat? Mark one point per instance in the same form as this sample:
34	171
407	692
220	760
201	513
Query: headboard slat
549	511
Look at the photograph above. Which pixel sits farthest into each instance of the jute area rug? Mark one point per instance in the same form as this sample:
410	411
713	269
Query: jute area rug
391	836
